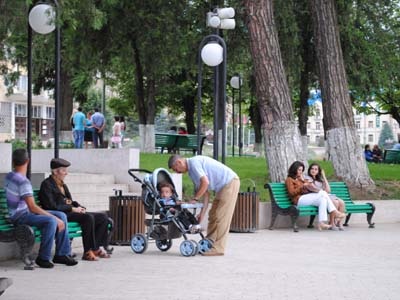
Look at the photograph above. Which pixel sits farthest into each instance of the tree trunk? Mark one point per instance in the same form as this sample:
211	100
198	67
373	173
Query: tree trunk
189	106
145	104
281	134
343	144
66	106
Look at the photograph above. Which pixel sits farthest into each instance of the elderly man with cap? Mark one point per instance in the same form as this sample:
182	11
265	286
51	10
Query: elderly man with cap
24	210
54	194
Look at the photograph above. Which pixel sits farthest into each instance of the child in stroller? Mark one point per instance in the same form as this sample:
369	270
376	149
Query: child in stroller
172	208
169	218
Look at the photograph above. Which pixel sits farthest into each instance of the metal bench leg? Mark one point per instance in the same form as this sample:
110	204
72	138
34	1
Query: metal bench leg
110	233
370	215
294	223
347	220
274	214
25	238
310	224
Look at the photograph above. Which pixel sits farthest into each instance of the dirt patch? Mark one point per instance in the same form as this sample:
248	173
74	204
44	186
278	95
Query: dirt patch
384	190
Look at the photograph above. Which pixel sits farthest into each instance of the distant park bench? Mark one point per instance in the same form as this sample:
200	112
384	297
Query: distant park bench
391	156
282	205
174	143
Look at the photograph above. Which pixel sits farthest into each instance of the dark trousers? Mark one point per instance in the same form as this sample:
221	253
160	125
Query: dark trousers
94	229
98	139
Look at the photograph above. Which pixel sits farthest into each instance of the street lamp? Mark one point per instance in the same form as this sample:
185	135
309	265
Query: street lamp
212	51
43	19
236	83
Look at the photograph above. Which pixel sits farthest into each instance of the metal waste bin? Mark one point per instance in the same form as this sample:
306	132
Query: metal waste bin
245	216
128	215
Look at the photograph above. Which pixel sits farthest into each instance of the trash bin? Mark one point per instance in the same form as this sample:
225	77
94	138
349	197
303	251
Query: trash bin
245	216
128	215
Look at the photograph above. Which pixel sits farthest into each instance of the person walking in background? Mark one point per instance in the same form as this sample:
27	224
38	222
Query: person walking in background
79	128
88	135
54	194
24	210
303	193
207	175
116	136
123	129
98	123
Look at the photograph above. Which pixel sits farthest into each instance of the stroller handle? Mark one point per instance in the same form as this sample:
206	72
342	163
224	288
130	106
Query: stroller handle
135	178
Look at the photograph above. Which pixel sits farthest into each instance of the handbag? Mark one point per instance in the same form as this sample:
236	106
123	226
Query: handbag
116	139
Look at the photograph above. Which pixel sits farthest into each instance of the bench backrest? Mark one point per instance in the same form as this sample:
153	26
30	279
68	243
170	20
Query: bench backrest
392	156
279	193
165	140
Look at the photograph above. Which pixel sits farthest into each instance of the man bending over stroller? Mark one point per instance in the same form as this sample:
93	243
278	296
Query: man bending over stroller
168	200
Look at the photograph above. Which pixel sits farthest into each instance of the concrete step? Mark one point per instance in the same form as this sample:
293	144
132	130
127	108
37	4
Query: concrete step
89	178
96	188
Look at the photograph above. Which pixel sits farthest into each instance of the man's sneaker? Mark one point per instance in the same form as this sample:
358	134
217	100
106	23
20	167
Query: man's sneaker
44	263
65	260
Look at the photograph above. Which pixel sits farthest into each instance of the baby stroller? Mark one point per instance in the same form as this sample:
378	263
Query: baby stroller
162	226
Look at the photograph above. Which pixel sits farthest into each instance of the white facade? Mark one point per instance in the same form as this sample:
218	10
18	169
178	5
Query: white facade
368	126
14	112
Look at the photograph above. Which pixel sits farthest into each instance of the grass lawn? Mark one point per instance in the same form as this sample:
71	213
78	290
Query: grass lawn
253	172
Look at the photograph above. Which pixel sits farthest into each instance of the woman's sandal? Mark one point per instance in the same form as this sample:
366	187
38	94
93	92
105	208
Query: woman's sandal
90	256
101	253
323	226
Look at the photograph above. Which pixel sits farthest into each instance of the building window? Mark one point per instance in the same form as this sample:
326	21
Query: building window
50	112
20	110
23	83
316	139
370	138
358	124
318	126
370	124
318	114
36	112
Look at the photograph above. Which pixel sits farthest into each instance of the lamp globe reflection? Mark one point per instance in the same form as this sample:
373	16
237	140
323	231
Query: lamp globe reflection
42	18
212	54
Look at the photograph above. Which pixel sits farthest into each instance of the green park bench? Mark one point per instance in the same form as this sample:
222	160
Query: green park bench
282	205
391	156
188	142
166	141
26	235
174	143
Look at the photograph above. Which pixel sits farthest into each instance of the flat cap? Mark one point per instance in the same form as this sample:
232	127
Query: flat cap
58	163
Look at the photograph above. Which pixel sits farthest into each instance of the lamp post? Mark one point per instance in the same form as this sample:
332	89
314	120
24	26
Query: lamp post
233	119
236	83
212	51
42	19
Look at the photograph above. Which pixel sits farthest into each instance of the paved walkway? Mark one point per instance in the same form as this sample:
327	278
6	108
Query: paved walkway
360	263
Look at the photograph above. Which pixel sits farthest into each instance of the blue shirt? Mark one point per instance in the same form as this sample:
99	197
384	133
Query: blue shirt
88	124
79	118
97	119
17	188
217	173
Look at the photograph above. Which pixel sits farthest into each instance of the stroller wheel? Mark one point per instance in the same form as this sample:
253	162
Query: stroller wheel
164	245
205	245
139	243
188	248
196	247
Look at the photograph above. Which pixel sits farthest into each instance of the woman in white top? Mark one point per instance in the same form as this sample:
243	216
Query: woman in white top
317	175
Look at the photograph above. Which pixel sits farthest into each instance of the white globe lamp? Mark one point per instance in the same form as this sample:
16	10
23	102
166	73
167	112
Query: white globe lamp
212	54
42	18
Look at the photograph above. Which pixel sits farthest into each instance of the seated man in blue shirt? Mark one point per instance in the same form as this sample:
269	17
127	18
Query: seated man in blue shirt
368	153
23	210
